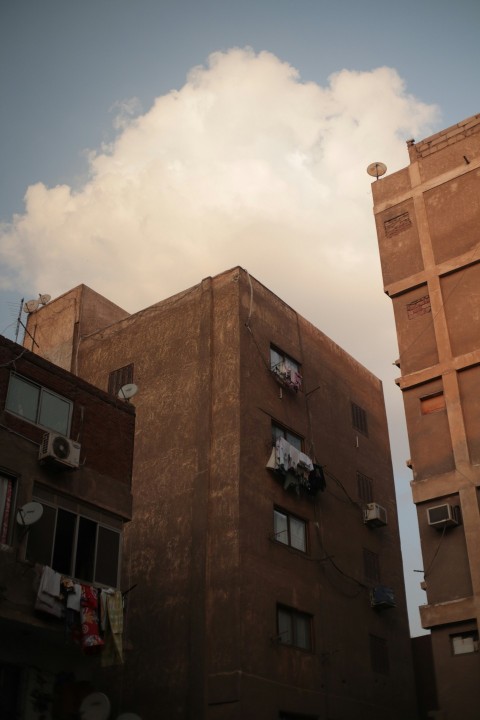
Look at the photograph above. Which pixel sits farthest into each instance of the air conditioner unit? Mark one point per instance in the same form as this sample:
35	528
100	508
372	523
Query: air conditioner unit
59	450
441	516
374	515
382	597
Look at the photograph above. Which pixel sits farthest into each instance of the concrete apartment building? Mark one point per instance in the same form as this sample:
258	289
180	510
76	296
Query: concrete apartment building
428	226
264	546
66	452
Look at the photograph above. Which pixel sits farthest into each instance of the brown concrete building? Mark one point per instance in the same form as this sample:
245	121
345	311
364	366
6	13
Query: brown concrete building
428	220
66	453
259	594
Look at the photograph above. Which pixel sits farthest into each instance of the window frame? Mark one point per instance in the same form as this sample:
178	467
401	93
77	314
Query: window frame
53	542
289	361
365	488
42	392
466	634
359	418
119	377
295	616
7	512
290	516
371	566
279	430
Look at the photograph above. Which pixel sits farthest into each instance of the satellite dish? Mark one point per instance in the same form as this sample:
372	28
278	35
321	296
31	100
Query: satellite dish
44	299
129	716
95	706
376	169
30	306
127	391
29	513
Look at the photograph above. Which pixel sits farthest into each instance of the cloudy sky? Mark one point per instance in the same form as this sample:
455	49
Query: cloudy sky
146	144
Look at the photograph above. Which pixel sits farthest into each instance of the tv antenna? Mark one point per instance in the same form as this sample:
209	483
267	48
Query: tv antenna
377	169
28	307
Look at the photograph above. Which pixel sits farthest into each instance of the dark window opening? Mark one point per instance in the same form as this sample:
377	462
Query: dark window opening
364	488
7	505
379	655
290	530
75	545
120	377
294	628
371	566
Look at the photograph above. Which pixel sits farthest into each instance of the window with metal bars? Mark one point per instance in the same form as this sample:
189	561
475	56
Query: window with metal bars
364	488
379	659
371	566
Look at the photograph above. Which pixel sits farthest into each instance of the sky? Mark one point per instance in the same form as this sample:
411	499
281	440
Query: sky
147	144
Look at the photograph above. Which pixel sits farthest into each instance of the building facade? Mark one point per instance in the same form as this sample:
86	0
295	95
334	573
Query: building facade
428	219
66	453
264	546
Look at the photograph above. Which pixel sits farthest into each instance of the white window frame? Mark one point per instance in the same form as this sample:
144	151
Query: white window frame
78	515
42	392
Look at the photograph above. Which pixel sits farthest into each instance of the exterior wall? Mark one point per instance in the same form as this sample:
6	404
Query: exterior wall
201	551
431	271
33	644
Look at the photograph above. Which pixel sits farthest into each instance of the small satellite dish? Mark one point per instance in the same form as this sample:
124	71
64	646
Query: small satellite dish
30	306
95	706
127	391
129	716
29	513
44	299
376	169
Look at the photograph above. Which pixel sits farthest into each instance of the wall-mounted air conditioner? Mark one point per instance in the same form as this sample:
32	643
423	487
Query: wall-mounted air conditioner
441	516
382	597
59	450
374	515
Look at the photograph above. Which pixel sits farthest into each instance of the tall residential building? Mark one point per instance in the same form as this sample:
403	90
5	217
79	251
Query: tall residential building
428	226
264	549
66	452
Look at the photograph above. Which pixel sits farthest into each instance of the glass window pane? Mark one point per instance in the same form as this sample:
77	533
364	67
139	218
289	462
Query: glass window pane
85	556
108	548
293	440
54	412
64	539
285	626
275	358
297	534
302	631
23	398
40	538
280	528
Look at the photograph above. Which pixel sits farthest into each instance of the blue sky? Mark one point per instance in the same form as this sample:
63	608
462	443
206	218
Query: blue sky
257	150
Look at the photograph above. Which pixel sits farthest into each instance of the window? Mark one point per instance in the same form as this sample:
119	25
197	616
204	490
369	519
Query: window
364	488
379	659
359	419
294	628
371	566
432	403
290	530
286	370
38	405
279	431
76	545
120	377
464	643
7	503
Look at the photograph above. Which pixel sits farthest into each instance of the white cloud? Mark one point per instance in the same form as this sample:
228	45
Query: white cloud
245	164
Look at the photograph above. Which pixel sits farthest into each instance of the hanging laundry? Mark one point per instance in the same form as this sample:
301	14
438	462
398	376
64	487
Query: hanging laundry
48	596
91	642
113	652
293	464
